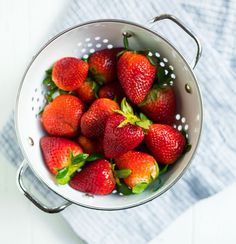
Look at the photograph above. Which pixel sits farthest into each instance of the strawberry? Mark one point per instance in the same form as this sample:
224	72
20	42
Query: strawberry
69	73
90	146
136	75
56	152
102	65
165	143
87	91
95	178
143	166
93	122
112	90
61	117
124	131
63	157
160	105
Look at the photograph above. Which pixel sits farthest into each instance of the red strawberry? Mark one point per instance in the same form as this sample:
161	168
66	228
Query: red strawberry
56	152
160	105
87	91
112	91
165	143
93	122
95	178
90	146
144	169
136	75
118	140
123	131
69	73
61	117
102	65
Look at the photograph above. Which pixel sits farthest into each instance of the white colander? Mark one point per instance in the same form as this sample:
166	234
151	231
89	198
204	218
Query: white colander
80	41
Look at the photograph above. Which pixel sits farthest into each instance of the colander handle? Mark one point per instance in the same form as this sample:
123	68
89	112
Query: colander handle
187	30
32	198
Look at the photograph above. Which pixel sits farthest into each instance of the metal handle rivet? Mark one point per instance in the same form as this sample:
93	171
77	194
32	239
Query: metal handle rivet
89	195
31	141
188	88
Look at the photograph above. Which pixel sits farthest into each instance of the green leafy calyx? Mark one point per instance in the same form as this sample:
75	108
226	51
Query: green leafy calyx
95	88
131	118
164	169
123	173
76	162
124	189
157	184
140	187
119	175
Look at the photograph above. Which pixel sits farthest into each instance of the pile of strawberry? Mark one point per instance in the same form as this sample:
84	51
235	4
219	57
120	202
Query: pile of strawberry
109	122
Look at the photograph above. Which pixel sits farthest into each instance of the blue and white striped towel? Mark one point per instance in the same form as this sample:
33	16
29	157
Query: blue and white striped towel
213	167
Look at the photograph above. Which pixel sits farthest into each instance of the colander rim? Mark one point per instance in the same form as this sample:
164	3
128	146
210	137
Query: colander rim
147	199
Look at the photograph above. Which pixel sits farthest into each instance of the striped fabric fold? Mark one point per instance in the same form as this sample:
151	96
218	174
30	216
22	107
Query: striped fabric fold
213	167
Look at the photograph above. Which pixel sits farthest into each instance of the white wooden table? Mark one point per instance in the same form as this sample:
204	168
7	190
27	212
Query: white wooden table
23	25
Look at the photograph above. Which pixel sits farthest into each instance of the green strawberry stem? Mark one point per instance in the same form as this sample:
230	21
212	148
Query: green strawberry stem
130	118
146	52
126	35
120	185
140	187
120	174
64	175
95	88
157	184
123	173
94	157
124	189
164	169
126	42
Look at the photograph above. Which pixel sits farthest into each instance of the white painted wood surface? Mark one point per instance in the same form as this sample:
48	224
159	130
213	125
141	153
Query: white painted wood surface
212	220
23	25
